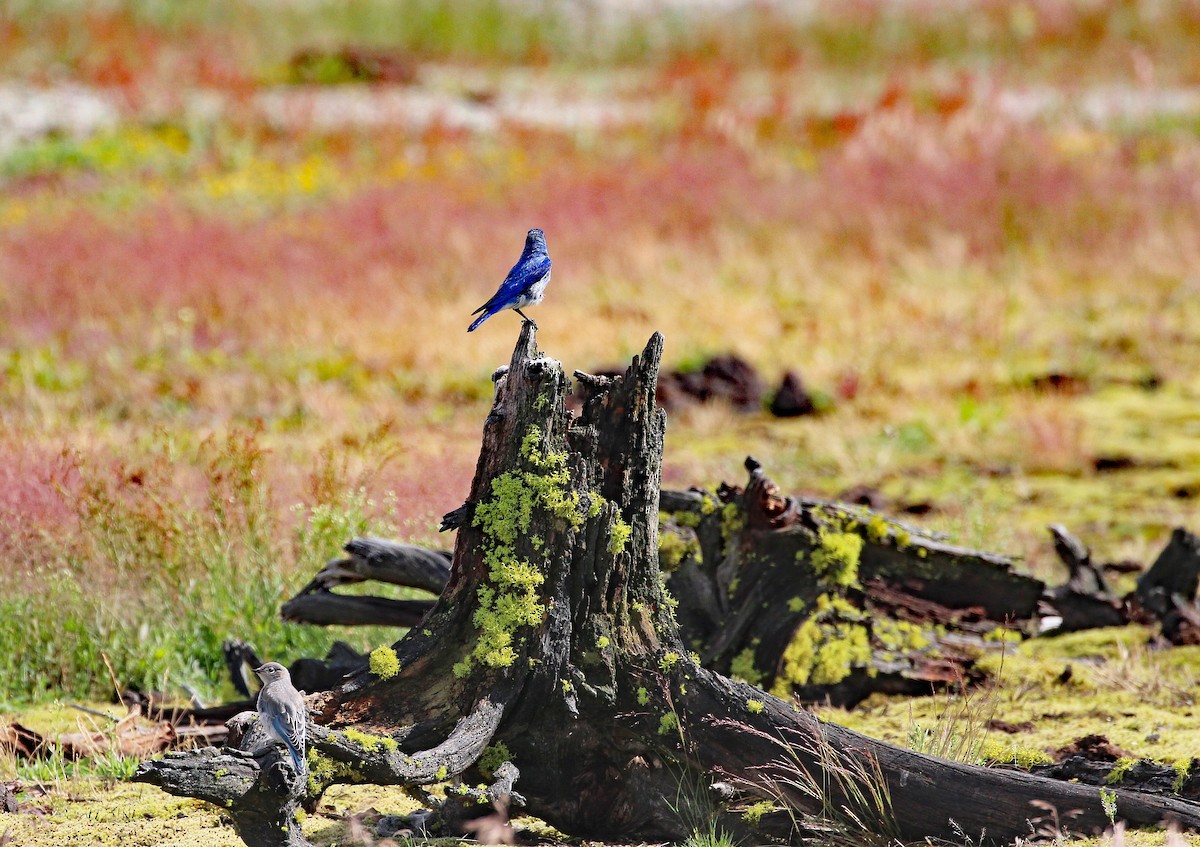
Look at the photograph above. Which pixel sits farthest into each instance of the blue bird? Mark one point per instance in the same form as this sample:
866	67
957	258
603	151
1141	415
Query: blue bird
525	284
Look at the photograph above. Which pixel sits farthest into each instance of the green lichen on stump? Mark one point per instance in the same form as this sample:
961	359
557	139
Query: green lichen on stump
742	667
371	743
674	549
753	814
493	757
510	599
619	536
384	662
835	561
825	648
324	772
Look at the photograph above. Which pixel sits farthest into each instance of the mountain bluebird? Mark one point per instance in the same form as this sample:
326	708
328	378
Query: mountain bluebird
282	712
525	284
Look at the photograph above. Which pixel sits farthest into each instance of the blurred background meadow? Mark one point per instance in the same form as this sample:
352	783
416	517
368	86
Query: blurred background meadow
240	241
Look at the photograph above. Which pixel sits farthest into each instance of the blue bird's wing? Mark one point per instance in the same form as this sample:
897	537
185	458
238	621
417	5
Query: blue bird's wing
522	276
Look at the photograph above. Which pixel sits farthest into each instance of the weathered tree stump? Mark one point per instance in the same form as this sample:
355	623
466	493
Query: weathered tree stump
555	646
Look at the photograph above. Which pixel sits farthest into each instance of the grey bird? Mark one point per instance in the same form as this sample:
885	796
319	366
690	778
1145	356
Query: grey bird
282	712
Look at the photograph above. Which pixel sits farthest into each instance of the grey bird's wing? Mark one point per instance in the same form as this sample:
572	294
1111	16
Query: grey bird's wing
295	718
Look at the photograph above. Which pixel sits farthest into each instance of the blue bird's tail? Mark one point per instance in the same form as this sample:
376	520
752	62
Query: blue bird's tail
475	323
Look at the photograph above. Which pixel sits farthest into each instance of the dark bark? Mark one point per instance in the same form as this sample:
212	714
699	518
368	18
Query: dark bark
555	637
1084	601
385	561
325	608
1175	573
1165	593
308	675
1143	775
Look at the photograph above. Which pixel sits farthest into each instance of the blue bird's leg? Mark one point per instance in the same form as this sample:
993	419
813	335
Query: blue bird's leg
522	314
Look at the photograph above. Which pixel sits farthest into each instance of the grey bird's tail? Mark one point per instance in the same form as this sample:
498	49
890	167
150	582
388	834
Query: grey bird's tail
298	761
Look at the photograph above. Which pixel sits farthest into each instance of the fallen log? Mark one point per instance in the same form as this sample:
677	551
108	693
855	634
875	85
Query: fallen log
745	569
1175	573
132	735
555	646
829	602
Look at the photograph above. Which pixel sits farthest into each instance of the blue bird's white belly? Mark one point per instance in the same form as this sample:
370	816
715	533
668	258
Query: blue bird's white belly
532	295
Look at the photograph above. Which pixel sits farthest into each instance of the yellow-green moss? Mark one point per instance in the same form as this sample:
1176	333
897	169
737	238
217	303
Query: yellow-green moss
898	637
754	707
1000	753
324	771
732	521
442	773
103	812
619	536
643	696
1122	767
371	743
511	599
602	642
384	662
1156	687
669	660
688	519
708	504
673	549
835	560
1003	634
825	648
742	667
877	529
753	814
1103	643
668	723
493	757
1183	769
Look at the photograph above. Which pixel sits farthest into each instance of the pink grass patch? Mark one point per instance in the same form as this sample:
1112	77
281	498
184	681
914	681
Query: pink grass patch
36	489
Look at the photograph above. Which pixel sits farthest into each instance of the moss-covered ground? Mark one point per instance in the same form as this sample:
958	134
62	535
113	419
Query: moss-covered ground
1051	692
1045	694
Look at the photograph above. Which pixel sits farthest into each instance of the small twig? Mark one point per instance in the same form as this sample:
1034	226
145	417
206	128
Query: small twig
194	697
112	675
95	712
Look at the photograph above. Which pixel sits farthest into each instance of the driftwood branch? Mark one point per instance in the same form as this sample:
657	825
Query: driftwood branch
386	763
370	559
325	608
